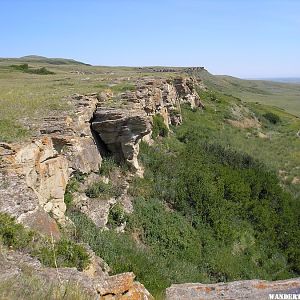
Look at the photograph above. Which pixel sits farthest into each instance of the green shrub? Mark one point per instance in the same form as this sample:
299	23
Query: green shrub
72	187
271	117
117	216
64	253
107	165
22	67
26	69
159	127
103	190
13	234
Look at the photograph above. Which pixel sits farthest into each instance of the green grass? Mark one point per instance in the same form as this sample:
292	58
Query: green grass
31	287
280	151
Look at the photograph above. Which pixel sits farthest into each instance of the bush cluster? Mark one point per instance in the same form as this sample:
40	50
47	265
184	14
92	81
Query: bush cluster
117	216
102	190
271	117
26	69
62	253
159	127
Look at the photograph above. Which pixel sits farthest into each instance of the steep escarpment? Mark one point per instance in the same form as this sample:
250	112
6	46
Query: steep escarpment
35	175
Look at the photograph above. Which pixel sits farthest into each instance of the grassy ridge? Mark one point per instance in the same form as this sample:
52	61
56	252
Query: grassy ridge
282	95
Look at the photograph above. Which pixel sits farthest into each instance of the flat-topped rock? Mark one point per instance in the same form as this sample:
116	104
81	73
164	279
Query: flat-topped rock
236	290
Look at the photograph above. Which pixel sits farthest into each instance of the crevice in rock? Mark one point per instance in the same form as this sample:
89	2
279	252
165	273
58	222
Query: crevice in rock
101	146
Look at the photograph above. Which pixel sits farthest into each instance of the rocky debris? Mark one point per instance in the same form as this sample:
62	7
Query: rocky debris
96	209
95	281
237	290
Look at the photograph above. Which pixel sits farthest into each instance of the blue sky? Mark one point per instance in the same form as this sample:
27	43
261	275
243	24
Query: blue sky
257	38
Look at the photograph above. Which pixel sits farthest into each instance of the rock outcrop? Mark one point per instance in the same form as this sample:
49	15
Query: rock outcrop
35	174
237	290
121	131
95	281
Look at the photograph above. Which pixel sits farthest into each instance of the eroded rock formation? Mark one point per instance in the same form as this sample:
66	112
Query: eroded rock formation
35	174
121	131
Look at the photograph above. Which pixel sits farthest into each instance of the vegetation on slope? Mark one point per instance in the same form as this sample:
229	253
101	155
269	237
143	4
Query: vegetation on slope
204	212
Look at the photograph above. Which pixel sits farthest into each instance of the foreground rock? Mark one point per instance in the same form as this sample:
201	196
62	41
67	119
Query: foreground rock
95	282
237	290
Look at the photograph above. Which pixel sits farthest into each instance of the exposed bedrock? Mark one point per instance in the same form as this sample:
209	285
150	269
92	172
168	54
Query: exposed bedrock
237	290
121	131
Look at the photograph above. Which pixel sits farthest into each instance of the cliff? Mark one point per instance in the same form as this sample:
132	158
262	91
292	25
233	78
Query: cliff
34	175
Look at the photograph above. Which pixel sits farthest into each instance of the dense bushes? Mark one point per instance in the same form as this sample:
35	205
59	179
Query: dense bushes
159	127
13	234
233	196
64	253
103	190
26	69
271	117
117	216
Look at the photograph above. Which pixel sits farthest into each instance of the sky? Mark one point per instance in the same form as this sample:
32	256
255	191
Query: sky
243	38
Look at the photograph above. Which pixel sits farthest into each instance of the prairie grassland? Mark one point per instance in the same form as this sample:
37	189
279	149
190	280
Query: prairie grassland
282	95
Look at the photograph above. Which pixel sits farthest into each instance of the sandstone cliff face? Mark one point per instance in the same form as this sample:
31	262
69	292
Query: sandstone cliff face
237	290
35	174
122	129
